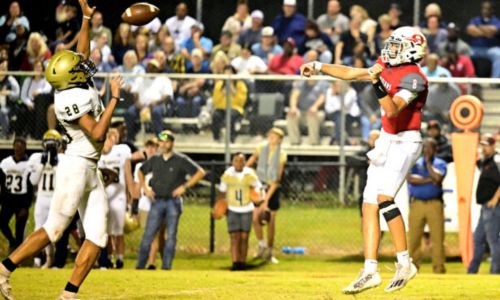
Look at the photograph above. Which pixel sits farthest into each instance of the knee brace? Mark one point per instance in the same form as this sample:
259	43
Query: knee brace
389	210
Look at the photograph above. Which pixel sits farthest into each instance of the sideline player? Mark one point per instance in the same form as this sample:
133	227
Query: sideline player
79	183
402	91
43	167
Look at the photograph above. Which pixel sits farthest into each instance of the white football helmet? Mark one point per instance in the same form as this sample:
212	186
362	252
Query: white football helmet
410	46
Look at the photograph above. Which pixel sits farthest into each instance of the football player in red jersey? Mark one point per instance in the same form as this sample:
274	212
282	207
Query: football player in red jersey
402	90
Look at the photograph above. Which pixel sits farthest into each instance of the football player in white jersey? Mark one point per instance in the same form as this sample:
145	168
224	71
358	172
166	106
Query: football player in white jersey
79	183
42	168
114	157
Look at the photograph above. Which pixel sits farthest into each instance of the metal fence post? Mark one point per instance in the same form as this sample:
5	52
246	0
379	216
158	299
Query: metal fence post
227	140
310	9
212	203
342	168
416	12
199	10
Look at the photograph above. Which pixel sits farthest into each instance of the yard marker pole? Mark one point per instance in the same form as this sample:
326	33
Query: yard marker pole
212	203
227	140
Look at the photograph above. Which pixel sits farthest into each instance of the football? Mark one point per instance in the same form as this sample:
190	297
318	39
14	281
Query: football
220	209
264	217
140	13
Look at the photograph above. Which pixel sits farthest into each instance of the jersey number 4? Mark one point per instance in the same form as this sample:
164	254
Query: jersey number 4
73	109
12	179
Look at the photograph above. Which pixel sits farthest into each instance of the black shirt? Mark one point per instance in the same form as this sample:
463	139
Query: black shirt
168	174
489	181
350	42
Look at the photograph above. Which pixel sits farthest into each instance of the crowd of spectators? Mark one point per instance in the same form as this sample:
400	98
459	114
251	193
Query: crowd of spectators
250	43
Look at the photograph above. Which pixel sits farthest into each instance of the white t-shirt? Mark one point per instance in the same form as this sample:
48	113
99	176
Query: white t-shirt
180	29
144	201
43	176
152	89
246	66
153	26
16	175
332	102
72	104
115	160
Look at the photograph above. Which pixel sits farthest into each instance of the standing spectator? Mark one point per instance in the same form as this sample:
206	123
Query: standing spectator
9	93
443	150
287	63
271	160
122	42
130	65
175	62
168	184
68	28
101	42
488	196
306	101
395	13
441	96
426	205
454	37
17	47
236	186
267	47
333	22
318	41
227	45
289	24
98	28
238	22
485	40
458	65
141	48
432	67
239	96
370	111
16	194
247	63
253	34
333	105
432	10
10	21
156	39
36	50
152	96
197	40
180	25
434	34
345	48
367	26
384	23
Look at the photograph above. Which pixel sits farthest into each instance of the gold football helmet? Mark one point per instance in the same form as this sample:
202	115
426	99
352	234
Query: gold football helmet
67	69
52	138
131	222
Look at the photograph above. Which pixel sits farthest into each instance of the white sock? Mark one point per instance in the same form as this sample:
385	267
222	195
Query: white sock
4	271
370	266
403	258
262	243
119	256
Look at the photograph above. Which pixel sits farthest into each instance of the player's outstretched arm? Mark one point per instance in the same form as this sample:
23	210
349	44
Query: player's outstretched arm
334	70
97	130
83	45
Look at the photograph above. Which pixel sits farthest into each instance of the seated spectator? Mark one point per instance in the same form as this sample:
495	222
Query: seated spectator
287	63
122	42
318	41
197	40
152	95
484	36
189	95
432	67
101	42
180	25
458	65
439	100
395	13
333	22
9	93
351	108
160	56
267	47
97	27
175	62
432	10
247	63
130	65
344	50
68	28
10	21
219	63
434	34
17	47
368	26
156	40
227	46
384	23
253	34
36	50
238	22
141	48
289	24
306	102
443	145
239	95
454	37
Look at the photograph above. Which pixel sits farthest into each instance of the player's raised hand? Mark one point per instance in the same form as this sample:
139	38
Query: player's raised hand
116	82
375	71
86	9
307	70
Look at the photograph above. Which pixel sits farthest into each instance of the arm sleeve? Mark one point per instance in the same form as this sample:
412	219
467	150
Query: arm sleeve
147	166
441	167
25	96
35	168
189	166
410	85
15	90
223	184
414	170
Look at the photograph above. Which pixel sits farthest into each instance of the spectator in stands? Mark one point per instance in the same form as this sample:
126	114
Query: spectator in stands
485	38
333	98
68	27
9	93
344	50
239	95
17	47
432	10
156	40
367	26
102	67
160	56
306	103
454	37
488	196
238	22
152	28
426	205
175	62
289	24
458	65
10	21
180	25
123	42
434	34
141	48
150	105
439	100
219	63
253	34
443	146
318	41
395	13
333	22
247	63
370	111
287	63
227	45
384	23
130	65
101	42
98	28
267	47
36	50
189	93
197	40
432	67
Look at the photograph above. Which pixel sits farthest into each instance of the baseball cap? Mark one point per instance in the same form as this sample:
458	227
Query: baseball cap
267	31
166	135
198	25
257	14
290	2
277	131
488	139
433	124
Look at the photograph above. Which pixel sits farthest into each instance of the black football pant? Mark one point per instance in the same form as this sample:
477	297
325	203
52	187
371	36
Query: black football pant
18	206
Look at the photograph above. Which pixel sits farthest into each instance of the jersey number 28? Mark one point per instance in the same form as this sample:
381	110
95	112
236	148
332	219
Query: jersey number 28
73	109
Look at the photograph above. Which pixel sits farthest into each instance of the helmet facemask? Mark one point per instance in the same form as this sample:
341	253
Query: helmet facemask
86	66
390	56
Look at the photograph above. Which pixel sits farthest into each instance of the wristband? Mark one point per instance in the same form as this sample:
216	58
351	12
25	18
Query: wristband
317	66
379	89
86	17
117	98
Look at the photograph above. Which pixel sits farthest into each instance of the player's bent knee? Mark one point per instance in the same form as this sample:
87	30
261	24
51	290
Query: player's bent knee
98	238
389	210
56	225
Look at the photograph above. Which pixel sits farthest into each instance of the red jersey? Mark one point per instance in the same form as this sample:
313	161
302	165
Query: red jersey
407	77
